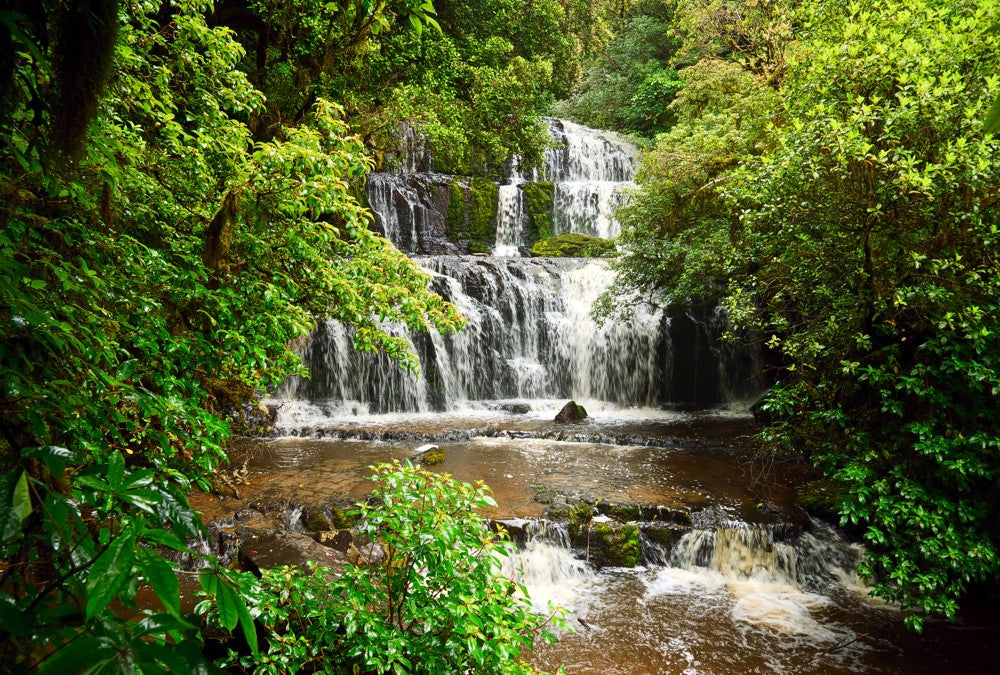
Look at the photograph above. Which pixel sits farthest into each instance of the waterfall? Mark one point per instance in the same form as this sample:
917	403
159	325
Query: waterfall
815	560
529	336
511	220
587	207
590	170
410	210
546	566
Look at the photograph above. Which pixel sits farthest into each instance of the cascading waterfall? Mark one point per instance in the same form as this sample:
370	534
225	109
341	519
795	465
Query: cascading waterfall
512	219
545	564
587	207
759	579
530	335
590	170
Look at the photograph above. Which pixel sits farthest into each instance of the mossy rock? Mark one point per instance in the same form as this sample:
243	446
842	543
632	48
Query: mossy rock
571	412
579	516
613	545
433	457
471	219
539	199
661	535
572	245
624	512
326	519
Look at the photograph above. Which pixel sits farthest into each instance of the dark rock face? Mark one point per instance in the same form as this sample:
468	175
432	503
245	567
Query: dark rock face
289	548
571	412
411	210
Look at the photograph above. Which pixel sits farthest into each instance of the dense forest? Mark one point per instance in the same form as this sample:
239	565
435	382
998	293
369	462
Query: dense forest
182	200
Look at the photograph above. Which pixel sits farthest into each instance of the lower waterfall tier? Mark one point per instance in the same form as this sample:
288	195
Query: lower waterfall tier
530	336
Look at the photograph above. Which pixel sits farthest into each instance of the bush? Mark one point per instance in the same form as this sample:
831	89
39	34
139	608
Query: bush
433	600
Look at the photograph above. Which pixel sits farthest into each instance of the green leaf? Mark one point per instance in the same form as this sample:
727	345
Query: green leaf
116	469
415	22
54	457
21	502
164	538
163	579
68	659
229	603
159	624
247	624
109	573
15	504
992	123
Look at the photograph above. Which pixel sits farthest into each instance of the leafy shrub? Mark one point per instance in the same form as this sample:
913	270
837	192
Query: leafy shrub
432	599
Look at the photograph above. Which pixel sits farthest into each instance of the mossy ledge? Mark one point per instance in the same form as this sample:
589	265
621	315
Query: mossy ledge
539	200
571	245
472	207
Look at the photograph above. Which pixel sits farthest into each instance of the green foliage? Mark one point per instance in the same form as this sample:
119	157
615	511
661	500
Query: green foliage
473	86
572	245
860	234
539	201
173	263
753	33
628	86
433	601
675	230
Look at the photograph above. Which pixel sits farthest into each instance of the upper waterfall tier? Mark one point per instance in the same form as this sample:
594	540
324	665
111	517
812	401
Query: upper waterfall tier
580	154
581	182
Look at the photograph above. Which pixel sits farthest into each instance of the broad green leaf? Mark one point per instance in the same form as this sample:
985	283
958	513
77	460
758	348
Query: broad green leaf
116	469
164	538
21	499
229	603
992	124
109	573
159	624
247	624
54	457
163	579
74	655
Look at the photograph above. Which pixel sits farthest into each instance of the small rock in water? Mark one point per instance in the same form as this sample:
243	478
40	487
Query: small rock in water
571	412
429	455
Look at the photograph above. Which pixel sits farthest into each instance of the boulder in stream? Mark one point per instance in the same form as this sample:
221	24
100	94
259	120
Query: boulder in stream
289	548
571	412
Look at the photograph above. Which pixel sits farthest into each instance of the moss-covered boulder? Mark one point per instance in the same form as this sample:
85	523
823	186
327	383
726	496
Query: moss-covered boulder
612	544
539	202
471	221
571	245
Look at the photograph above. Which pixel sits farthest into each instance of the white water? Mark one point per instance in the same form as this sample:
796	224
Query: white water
740	588
529	335
591	171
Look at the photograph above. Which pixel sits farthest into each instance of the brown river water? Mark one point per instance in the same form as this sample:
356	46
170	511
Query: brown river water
728	598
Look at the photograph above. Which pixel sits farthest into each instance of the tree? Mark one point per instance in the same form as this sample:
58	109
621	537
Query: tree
861	236
868	247
629	84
